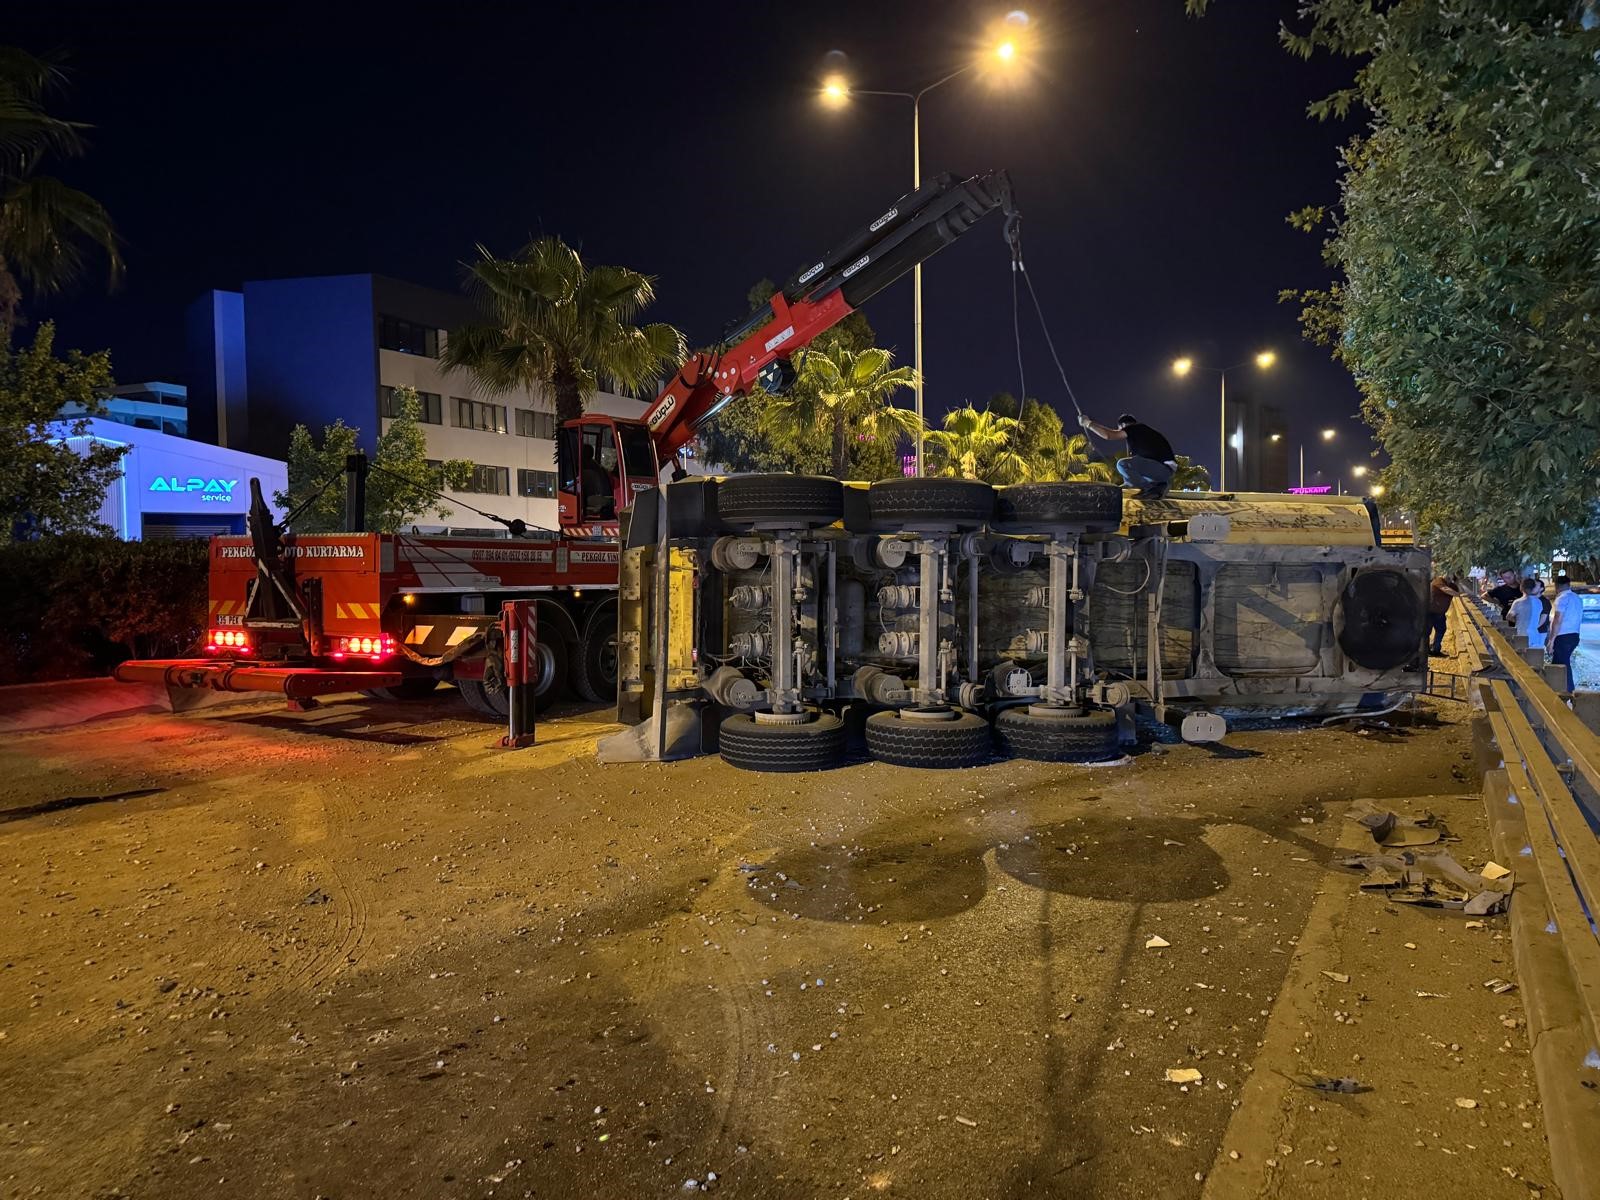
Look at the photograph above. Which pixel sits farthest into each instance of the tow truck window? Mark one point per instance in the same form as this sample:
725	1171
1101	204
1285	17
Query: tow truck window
638	453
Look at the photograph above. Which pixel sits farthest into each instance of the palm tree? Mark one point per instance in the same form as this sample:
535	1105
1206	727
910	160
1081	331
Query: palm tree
843	392
978	444
1078	463
47	229
561	327
1190	476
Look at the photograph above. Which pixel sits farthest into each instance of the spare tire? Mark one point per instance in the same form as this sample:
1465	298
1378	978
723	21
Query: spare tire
1089	506
912	503
1381	619
780	501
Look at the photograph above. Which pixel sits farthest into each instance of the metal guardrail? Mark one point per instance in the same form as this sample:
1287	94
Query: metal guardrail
1542	801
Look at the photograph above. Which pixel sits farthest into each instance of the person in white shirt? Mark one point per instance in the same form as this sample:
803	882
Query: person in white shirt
1526	613
1566	624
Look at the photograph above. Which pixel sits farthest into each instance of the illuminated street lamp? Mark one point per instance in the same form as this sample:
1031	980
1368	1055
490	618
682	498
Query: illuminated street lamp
1376	489
1182	367
1327	435
1003	51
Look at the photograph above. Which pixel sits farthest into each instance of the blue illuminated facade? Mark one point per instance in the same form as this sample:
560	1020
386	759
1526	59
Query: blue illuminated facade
174	487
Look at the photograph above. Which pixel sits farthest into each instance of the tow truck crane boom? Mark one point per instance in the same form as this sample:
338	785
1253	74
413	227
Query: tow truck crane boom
757	352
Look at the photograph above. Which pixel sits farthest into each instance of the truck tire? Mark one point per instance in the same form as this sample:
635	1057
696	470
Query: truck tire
1088	506
552	685
809	746
797	501
594	667
961	741
901	503
1090	737
408	689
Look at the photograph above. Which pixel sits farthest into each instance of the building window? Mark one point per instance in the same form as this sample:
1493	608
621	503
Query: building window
476	414
489	481
407	338
535	424
541	485
430	405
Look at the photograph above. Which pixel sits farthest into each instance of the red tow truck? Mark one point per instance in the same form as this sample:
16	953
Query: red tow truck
393	615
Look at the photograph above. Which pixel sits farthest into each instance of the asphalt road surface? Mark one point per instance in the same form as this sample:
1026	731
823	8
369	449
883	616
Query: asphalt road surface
362	952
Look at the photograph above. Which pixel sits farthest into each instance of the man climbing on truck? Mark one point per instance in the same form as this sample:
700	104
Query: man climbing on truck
1150	464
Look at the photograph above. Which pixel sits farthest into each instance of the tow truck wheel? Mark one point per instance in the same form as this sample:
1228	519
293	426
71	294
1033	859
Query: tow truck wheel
552	684
932	739
1049	737
409	689
798	501
594	671
812	744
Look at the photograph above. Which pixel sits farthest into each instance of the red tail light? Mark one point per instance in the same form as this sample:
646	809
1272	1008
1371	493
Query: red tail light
234	640
376	648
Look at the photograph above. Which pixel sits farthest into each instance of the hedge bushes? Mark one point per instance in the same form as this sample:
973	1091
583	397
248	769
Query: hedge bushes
76	606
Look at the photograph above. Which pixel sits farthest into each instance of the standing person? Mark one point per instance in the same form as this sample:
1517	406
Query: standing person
1441	591
1506	593
1566	625
1527	615
1150	464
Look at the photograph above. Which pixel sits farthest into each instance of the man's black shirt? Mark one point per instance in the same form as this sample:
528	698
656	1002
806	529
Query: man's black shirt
1144	442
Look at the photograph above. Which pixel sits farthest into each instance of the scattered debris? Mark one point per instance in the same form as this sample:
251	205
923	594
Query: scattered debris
1499	986
1337	976
316	896
1157	942
1432	996
1430	881
1466	1102
1183	1075
1340	1085
1391	829
1492	871
967	1121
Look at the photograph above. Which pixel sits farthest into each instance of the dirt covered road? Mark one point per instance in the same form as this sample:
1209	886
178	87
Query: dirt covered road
362	952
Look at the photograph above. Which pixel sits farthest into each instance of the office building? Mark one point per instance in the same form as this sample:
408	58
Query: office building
1258	445
312	351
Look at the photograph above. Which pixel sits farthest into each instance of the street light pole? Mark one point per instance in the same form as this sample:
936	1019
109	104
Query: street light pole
916	274
1222	430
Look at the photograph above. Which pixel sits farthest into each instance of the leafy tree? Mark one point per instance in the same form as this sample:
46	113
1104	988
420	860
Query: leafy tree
47	486
561	327
847	395
1467	238
402	486
46	228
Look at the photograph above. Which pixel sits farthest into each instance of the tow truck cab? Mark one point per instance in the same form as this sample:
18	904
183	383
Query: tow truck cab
602	461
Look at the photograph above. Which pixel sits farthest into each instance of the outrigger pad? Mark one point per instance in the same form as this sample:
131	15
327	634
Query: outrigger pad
638	742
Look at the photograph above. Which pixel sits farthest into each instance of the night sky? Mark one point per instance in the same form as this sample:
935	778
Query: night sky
1155	158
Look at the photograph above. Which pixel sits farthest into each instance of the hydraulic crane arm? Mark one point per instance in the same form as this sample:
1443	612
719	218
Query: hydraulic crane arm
757	352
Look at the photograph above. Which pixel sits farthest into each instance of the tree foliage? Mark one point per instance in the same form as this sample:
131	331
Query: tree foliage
47	485
402	485
47	229
1468	241
742	438
559	326
845	395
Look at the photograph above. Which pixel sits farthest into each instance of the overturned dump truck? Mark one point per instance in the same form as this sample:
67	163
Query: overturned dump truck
771	617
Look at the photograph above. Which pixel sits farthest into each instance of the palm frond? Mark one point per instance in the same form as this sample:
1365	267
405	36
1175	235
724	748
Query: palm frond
47	229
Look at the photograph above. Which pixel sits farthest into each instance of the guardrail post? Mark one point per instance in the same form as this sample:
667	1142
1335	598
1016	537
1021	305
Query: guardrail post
520	621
